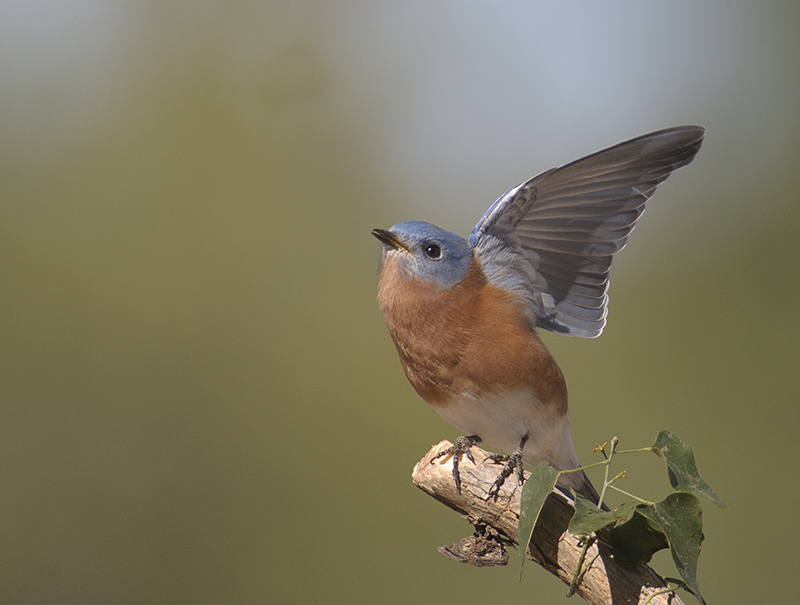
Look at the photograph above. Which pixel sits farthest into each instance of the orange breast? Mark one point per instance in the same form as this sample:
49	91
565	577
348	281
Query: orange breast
469	339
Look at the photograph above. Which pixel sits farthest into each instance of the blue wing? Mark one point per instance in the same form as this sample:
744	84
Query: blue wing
553	237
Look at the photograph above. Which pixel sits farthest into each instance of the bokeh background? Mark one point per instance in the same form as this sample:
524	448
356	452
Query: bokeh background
200	402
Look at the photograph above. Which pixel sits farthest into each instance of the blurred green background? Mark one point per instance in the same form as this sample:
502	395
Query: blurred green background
200	401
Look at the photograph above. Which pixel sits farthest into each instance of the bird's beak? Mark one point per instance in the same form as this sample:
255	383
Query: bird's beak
389	239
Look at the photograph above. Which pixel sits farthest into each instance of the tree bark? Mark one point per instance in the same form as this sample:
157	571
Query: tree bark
552	546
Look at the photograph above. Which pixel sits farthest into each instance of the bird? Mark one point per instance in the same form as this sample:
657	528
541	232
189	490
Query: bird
464	314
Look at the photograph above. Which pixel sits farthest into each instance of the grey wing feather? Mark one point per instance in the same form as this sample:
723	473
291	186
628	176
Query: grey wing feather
553	237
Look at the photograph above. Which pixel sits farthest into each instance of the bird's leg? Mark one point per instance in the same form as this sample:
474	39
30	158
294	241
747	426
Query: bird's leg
512	463
463	445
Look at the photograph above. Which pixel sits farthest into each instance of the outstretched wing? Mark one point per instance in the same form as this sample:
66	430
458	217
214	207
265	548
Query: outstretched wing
552	238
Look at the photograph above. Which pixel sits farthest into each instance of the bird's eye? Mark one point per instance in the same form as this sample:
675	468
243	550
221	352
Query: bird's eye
433	251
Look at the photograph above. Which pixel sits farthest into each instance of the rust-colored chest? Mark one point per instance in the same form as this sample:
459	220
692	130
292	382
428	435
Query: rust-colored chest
465	340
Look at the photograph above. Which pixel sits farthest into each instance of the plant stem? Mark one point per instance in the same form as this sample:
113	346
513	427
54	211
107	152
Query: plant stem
606	482
579	570
623	492
583	468
636	451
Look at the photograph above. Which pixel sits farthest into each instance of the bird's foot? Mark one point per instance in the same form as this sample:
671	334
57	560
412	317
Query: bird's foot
513	463
462	446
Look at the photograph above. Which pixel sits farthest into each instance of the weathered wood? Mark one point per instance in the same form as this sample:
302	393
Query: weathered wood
552	547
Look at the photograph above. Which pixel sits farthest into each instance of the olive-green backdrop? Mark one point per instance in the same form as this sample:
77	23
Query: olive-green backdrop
199	399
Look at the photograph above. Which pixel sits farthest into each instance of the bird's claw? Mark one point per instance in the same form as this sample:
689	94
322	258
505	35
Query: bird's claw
462	446
513	463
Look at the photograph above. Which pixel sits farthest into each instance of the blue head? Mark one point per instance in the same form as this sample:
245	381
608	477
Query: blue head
427	252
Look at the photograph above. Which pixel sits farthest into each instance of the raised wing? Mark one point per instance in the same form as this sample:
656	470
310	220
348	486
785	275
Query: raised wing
552	238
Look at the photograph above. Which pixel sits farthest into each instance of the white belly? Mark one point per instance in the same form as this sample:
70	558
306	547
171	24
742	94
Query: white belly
501	420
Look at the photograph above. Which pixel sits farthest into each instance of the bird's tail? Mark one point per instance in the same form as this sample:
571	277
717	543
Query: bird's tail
581	484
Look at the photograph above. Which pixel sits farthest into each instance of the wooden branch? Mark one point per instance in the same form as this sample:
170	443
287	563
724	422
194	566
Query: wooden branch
552	547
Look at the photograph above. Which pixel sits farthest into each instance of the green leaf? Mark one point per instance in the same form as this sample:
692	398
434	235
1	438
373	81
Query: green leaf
683	475
625	511
636	540
680	516
534	493
589	518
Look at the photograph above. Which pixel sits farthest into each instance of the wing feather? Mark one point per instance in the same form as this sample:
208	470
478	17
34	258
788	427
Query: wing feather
567	223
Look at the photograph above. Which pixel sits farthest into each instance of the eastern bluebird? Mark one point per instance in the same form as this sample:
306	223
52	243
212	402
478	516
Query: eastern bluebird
463	313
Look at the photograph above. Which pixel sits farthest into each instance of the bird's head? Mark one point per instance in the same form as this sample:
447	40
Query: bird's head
426	252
